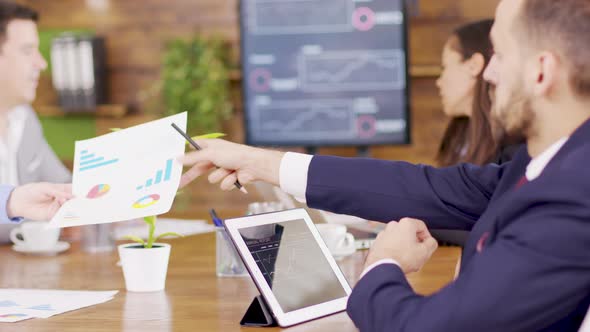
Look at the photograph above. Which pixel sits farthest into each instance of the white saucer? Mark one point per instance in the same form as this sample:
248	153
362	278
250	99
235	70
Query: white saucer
59	247
341	253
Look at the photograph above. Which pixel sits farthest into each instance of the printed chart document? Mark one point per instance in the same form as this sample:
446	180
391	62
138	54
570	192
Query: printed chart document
20	304
127	174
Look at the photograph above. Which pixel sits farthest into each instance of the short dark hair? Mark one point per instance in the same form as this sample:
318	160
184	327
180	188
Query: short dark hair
13	11
563	25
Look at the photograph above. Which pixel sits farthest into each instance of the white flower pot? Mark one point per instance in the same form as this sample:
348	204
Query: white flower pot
144	269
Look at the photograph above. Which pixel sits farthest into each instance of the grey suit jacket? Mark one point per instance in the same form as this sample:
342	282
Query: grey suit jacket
36	161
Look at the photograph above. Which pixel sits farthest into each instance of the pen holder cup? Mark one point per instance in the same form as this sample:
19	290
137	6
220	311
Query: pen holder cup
228	262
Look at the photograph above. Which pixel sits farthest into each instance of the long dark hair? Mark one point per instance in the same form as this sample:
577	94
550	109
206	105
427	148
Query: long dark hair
470	139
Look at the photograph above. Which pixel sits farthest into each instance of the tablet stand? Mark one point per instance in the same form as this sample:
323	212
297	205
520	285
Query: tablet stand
258	314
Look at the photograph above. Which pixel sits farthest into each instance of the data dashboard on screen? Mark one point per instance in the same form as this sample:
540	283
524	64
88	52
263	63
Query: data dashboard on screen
325	72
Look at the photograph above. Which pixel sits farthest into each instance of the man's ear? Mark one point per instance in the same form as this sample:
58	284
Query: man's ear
544	73
476	64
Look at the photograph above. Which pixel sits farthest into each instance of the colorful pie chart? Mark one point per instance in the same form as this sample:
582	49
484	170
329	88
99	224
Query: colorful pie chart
98	191
146	201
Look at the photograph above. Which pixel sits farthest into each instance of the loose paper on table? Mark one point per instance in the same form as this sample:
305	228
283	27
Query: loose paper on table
20	304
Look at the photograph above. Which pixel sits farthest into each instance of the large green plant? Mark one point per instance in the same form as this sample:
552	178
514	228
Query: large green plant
195	78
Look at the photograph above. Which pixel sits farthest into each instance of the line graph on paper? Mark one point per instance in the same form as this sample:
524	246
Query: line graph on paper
274	17
307	118
352	70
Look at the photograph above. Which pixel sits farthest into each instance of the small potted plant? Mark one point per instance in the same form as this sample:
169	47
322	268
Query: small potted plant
145	262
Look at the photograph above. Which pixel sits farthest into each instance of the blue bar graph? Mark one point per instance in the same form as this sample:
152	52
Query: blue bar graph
168	170
42	307
8	303
165	173
89	160
112	161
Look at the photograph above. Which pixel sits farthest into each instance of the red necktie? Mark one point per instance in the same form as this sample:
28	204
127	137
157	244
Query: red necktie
482	241
523	180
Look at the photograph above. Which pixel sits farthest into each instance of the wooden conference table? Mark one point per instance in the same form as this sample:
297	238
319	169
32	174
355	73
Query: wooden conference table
194	299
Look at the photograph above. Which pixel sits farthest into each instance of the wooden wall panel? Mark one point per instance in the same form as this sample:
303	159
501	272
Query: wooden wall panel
137	30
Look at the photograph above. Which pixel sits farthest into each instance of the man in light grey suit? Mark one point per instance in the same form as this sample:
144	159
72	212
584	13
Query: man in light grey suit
25	156
35	160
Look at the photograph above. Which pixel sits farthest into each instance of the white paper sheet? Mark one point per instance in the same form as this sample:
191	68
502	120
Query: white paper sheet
163	225
128	174
20	304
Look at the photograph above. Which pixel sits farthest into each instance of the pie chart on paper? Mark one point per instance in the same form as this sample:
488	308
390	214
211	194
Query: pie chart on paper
146	201
98	191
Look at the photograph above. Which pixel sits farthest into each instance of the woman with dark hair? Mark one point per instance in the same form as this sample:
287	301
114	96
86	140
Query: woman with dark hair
466	98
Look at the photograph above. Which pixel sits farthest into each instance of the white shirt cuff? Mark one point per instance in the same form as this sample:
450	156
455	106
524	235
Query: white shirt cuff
377	263
293	174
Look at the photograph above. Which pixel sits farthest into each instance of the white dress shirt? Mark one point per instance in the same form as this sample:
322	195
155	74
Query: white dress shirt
295	167
586	323
9	144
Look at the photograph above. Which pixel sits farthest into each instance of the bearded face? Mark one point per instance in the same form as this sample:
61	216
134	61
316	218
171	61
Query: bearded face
509	70
512	115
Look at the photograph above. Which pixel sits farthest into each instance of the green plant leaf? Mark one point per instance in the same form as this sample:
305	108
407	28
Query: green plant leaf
168	234
135	239
209	136
196	77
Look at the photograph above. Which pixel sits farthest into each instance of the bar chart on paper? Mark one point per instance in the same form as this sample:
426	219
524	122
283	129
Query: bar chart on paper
162	175
128	174
89	161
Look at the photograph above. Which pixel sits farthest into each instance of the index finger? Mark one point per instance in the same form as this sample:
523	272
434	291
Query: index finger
430	244
201	143
65	187
194	157
424	235
194	172
62	191
417	224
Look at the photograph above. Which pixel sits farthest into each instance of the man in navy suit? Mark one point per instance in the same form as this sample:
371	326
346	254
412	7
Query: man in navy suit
526	264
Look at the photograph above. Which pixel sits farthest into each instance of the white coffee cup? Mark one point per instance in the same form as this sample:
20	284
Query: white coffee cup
35	235
336	238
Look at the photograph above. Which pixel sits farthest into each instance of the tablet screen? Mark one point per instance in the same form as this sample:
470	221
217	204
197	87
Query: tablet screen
293	264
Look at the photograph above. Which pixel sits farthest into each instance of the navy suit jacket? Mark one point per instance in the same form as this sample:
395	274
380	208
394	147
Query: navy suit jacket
526	264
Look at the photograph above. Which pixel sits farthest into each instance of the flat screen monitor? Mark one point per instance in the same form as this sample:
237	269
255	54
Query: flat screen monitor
325	72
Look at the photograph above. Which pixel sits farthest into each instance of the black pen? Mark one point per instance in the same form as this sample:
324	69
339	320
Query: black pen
196	146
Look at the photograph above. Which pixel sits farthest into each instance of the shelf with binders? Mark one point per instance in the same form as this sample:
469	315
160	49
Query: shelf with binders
100	111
